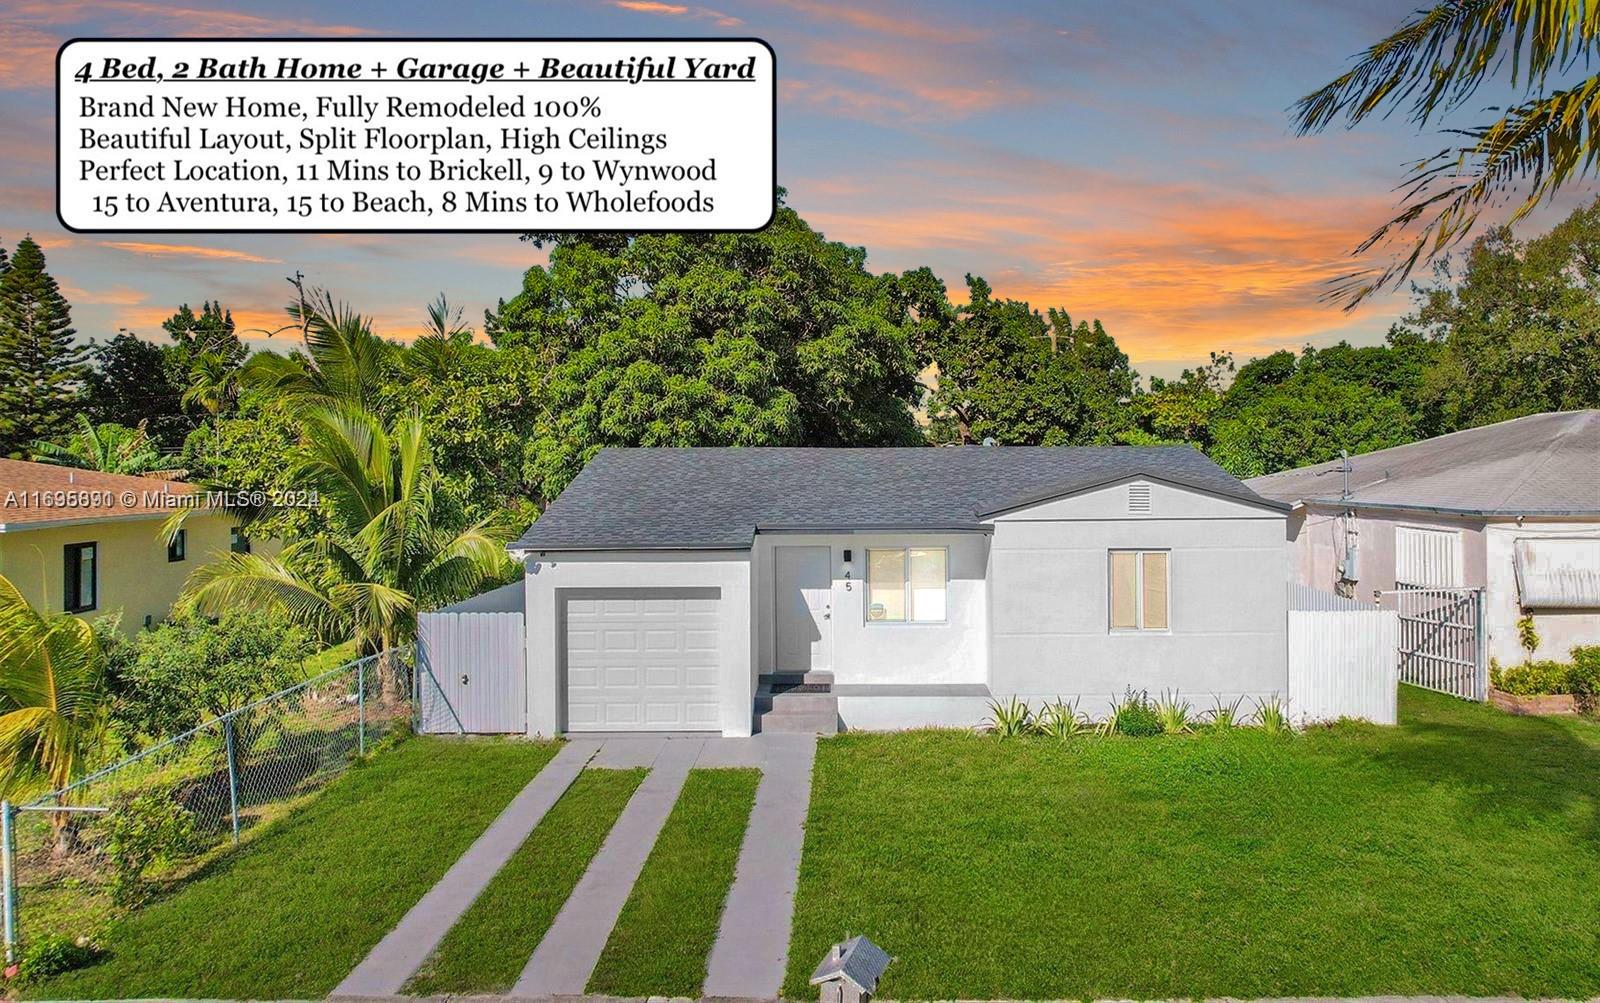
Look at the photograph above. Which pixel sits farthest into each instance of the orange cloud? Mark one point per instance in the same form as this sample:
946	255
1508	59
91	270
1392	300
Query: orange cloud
926	76
912	24
677	10
188	251
121	296
1174	270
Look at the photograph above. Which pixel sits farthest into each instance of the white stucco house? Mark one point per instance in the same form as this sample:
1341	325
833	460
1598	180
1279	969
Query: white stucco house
1511	508
739	590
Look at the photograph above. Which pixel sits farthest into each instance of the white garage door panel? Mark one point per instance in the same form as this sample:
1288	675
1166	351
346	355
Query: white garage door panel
643	660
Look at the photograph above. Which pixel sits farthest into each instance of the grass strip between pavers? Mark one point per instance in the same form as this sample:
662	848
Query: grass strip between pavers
661	941
491	943
291	912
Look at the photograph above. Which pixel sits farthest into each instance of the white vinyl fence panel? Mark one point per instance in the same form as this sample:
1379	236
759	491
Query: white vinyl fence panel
476	659
1343	658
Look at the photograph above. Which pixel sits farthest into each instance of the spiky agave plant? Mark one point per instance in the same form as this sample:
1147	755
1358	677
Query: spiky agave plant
1174	714
1060	719
1012	718
1272	716
1223	716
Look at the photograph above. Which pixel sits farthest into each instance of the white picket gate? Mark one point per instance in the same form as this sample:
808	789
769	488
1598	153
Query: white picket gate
1442	641
1343	658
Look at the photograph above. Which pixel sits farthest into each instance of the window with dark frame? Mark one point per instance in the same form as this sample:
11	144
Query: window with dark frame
238	542
81	581
178	549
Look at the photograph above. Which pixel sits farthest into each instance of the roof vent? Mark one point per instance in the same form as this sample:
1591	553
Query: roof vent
1139	498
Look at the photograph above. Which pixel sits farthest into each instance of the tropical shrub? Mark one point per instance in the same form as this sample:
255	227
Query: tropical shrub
1059	719
1134	715
45	957
1580	678
1011	719
1174	715
138	831
192	668
1223	716
54	701
1532	678
1272	716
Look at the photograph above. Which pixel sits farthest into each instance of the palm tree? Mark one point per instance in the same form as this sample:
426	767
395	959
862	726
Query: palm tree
213	382
392	544
54	699
444	346
109	448
1433	64
343	363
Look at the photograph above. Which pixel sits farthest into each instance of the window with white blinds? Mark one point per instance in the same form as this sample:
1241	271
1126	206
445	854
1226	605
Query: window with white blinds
1427	557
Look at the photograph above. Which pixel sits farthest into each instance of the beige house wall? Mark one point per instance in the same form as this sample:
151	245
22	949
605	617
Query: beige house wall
136	579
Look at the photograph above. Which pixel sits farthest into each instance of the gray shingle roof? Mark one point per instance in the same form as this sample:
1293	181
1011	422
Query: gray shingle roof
629	499
1542	464
857	959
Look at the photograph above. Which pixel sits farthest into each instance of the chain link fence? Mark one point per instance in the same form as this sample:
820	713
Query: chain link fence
75	857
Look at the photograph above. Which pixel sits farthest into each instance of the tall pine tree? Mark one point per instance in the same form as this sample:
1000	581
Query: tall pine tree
40	366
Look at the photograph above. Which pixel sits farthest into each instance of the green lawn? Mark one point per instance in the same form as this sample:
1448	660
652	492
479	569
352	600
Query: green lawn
661	941
487	948
292	911
1457	853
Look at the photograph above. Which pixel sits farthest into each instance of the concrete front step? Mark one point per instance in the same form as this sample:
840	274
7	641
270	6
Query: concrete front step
798	723
796	678
790	701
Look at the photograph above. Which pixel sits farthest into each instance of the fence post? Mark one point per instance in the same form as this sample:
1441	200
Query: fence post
1481	637
233	776
361	707
7	839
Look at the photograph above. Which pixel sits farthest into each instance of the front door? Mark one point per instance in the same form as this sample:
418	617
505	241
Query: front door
804	608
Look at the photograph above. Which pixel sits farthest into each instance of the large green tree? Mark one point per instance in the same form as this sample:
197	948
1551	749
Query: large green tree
678	339
40	366
131	381
1004	372
1518	330
1305	421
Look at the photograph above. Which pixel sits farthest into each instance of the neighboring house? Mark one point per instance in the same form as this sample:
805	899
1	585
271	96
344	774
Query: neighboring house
1512	508
90	543
691	589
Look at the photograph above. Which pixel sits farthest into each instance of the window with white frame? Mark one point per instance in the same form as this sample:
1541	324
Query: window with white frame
1426	557
1140	582
906	584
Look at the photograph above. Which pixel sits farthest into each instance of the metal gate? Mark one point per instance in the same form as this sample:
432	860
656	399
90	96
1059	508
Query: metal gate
1442	642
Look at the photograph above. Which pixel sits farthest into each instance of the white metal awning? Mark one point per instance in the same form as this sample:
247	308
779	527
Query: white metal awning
1558	573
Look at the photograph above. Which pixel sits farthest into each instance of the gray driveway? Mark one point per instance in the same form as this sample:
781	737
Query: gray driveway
751	949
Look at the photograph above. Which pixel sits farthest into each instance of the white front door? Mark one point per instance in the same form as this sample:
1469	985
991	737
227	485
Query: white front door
803	608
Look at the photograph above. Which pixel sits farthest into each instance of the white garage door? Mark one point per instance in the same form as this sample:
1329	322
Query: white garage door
642	660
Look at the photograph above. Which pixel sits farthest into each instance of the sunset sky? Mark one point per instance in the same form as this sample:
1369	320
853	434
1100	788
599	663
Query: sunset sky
1132	162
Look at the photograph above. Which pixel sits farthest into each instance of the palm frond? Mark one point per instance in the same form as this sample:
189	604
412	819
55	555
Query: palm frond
262	582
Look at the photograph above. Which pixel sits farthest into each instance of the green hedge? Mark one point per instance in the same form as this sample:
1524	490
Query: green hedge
1580	677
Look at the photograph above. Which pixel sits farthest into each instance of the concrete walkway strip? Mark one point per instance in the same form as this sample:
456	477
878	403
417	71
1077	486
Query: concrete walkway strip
752	946
399	954
563	961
